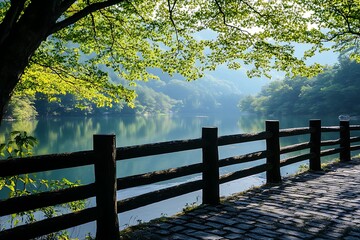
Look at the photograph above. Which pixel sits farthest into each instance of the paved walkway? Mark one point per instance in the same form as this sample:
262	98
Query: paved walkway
317	205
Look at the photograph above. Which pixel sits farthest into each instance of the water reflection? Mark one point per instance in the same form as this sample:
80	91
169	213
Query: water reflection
7	127
75	134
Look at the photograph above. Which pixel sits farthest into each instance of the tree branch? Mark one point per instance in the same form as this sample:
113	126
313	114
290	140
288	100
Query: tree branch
12	15
93	24
252	8
137	11
227	24
65	4
345	17
171	9
64	75
83	13
111	33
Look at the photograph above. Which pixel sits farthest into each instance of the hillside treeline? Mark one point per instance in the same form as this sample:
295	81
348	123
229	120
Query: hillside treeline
336	90
167	95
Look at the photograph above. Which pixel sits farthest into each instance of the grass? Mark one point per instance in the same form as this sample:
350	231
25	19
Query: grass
324	166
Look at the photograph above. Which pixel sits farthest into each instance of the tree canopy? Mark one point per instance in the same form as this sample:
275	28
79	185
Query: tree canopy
334	92
67	46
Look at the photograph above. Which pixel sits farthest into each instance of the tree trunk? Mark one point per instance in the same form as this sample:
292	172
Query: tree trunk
20	43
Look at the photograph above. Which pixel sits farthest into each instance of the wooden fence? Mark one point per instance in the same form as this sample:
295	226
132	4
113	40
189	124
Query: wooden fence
105	154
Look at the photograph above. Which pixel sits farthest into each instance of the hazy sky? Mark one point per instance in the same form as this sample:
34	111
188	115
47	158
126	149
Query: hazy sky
253	85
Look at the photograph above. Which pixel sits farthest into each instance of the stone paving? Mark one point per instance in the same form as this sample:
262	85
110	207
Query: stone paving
313	205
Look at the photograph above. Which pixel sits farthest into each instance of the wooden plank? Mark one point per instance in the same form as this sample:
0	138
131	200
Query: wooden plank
330	129
158	176
330	142
295	159
294	131
354	127
123	153
40	200
242	158
159	195
47	226
328	152
354	139
294	147
242	138
355	148
244	173
17	166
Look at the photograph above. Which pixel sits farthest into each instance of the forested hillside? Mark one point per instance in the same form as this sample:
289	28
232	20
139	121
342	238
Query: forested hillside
166	95
336	90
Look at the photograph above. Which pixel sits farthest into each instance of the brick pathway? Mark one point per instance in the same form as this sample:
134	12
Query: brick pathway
314	205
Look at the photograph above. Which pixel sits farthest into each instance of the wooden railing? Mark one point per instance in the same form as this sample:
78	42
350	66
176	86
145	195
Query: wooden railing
104	156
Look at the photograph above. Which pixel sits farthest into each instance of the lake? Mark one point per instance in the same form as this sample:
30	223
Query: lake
75	134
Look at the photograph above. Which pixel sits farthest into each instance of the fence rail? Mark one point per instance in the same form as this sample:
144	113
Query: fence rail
104	156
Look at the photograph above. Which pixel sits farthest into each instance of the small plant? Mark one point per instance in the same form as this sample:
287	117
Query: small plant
89	237
326	166
191	206
303	168
21	144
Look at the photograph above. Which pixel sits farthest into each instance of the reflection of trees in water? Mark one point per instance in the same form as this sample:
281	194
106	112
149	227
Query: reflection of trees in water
75	134
251	123
7	127
65	135
143	129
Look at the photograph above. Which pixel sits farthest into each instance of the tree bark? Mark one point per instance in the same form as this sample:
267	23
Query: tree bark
22	39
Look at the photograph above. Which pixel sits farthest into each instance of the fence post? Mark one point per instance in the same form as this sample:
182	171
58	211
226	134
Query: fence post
107	222
345	141
315	144
273	175
210	176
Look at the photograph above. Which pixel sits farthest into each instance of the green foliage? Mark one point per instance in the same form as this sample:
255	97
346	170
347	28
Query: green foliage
21	145
21	107
190	206
150	102
88	38
303	168
333	92
166	95
87	41
64	105
326	166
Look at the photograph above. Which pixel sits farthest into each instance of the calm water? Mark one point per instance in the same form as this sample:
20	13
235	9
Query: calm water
75	134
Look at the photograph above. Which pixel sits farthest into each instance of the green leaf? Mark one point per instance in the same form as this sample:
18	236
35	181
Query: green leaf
11	187
10	149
